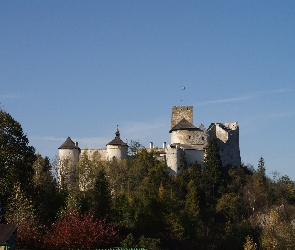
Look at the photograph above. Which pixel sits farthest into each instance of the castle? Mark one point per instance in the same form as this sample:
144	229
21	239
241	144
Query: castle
186	139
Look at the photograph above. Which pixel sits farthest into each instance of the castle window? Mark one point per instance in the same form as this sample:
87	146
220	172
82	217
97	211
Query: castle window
189	137
203	138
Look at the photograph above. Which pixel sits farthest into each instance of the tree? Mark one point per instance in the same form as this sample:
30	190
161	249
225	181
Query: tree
133	148
46	192
87	170
213	168
139	167
101	196
118	176
21	211
123	210
249	244
232	207
192	213
16	157
277	230
261	169
77	230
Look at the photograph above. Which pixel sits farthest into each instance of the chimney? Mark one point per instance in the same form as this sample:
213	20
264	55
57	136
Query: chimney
164	144
76	144
151	145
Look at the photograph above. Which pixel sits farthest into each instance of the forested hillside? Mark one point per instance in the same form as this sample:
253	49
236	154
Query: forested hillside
136	203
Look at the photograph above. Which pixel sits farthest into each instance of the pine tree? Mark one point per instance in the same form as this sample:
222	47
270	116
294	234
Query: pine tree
213	168
101	197
46	191
192	214
261	169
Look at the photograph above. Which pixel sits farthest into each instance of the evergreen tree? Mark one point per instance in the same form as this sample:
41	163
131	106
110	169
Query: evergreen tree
192	213
46	191
261	170
101	197
213	170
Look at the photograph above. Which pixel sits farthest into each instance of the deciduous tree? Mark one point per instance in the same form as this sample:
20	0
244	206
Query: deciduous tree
76	230
16	157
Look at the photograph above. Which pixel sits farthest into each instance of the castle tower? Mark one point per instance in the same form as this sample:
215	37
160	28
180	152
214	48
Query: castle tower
192	140
117	148
68	158
180	112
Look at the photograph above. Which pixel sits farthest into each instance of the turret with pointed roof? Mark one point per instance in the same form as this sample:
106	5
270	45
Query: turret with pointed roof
117	148
69	144
69	153
117	140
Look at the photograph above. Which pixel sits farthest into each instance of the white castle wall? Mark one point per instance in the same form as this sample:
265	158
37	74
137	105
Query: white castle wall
68	160
189	137
102	153
116	151
192	141
173	155
227	135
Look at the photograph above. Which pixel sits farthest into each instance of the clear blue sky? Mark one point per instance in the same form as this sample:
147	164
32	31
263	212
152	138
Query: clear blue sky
80	68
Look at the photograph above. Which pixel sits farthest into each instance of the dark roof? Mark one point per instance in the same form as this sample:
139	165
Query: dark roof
6	230
184	125
68	144
117	140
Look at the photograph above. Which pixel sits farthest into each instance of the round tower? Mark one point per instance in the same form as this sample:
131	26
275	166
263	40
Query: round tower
117	148
68	158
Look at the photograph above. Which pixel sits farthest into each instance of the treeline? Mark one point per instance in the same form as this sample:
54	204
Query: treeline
136	203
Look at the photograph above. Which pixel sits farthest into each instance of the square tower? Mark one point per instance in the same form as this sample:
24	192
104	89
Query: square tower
180	112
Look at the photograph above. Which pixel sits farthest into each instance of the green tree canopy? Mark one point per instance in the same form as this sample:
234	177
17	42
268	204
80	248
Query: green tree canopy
16	157
213	168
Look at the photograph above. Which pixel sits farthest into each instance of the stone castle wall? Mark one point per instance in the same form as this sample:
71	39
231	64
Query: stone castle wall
68	160
188	139
192	137
180	112
116	151
227	135
173	155
101	152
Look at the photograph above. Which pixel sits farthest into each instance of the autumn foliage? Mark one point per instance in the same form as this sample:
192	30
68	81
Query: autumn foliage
83	230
